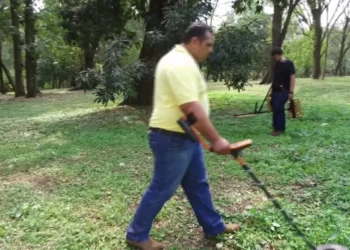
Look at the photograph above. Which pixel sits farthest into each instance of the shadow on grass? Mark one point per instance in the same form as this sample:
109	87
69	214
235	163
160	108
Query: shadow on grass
47	103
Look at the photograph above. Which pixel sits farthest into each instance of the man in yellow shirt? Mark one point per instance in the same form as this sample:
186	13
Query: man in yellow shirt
180	89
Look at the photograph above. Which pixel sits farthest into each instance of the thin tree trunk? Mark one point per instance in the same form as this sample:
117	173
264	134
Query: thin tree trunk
325	59
215	5
3	86
30	49
17	52
342	46
316	13
8	75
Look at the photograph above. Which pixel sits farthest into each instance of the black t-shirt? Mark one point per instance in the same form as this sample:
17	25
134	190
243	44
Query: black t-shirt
281	75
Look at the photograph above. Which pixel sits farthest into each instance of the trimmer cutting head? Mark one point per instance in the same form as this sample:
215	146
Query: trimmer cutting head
332	247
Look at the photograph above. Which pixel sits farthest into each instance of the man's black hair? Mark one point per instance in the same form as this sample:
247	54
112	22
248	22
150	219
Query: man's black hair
197	29
276	51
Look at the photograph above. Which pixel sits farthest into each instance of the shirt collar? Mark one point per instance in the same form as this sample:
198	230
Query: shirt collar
182	49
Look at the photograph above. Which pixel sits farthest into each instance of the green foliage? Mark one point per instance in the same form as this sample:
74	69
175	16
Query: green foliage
160	36
300	51
58	61
178	15
87	21
5	20
241	6
114	77
234	54
259	24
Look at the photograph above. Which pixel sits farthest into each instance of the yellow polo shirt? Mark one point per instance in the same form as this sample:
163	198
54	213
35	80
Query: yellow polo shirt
178	80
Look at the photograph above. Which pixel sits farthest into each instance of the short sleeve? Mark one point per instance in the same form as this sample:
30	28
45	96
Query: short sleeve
291	68
183	83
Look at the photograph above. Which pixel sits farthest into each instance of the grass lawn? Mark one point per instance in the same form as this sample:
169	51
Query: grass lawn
72	172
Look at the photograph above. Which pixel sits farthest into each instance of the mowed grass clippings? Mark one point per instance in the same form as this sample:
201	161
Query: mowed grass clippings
72	172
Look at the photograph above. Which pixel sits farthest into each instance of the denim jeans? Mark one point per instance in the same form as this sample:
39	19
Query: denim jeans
279	100
178	161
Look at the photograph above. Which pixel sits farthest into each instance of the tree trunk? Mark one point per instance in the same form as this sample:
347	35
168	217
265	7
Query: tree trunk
279	30
8	75
17	52
277	24
149	55
30	49
316	14
89	57
325	59
342	46
3	86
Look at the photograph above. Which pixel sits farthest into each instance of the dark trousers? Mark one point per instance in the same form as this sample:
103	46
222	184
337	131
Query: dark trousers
279	100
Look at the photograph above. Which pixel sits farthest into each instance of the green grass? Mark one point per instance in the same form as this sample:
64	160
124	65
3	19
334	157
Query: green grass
72	172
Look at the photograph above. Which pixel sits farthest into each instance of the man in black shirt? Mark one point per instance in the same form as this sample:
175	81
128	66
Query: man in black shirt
283	83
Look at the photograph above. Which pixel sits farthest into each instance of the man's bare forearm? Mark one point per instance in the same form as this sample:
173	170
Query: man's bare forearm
203	123
292	83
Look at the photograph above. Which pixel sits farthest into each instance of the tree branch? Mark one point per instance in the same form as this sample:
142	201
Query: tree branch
292	6
327	30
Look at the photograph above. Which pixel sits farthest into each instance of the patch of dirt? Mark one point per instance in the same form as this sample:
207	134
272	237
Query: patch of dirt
239	196
38	181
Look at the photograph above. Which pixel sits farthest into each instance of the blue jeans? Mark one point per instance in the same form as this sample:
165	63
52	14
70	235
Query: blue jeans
279	100
178	161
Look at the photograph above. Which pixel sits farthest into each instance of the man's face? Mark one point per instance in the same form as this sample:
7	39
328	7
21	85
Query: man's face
277	58
202	49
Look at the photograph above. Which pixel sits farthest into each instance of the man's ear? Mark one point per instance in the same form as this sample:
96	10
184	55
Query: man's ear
196	41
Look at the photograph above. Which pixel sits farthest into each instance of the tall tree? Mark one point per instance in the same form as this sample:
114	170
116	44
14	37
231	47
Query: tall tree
150	54
30	61
165	22
88	22
17	51
3	87
320	36
328	31
4	31
280	27
282	15
57	61
344	44
8	75
317	7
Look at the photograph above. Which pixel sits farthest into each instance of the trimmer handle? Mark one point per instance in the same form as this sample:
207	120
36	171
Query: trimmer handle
237	148
186	125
